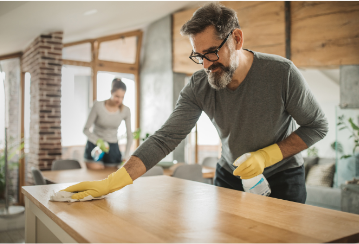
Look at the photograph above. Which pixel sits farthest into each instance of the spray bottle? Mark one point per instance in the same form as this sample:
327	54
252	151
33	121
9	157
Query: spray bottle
99	151
258	184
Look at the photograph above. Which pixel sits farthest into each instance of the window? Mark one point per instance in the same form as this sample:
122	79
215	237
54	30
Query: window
75	91
81	52
121	50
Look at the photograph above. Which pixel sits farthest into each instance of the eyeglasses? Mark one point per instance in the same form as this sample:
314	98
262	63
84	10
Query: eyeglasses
210	56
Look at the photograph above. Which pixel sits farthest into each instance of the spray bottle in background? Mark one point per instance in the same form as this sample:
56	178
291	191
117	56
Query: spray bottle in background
258	184
99	151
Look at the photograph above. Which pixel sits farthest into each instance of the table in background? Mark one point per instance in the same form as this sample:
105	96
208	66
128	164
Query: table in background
168	209
77	175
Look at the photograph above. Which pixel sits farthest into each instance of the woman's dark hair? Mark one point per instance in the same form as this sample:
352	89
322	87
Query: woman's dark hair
223	19
117	84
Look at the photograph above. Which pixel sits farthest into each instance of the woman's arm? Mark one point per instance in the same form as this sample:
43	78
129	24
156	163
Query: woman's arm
90	120
129	135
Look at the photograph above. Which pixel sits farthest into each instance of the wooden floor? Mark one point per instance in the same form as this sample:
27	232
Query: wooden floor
12	236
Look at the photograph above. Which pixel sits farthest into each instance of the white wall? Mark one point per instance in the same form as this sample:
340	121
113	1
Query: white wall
324	84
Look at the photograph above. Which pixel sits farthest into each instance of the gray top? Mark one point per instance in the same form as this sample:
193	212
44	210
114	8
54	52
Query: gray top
259	113
106	124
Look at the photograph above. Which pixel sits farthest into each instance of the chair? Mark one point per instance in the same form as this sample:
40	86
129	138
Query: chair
38	178
65	164
189	172
156	170
210	162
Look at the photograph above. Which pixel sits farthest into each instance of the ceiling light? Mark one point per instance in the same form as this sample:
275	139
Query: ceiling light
92	11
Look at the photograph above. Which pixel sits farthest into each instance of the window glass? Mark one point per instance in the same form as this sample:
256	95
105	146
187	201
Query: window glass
75	89
81	52
121	50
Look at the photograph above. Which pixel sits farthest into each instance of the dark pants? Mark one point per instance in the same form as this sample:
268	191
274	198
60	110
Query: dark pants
288	184
112	158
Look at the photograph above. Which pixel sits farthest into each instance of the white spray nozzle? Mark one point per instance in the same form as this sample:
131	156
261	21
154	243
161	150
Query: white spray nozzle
242	159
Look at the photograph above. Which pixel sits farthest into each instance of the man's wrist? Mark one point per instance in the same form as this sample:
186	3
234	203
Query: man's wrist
272	154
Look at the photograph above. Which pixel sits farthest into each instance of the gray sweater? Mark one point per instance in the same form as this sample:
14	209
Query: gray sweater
106	125
259	113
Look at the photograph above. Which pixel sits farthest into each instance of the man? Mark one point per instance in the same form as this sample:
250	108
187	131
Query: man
251	98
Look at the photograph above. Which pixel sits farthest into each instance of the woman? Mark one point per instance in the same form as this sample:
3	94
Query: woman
106	116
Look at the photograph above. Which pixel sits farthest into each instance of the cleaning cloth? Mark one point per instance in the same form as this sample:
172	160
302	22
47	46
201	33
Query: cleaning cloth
65	196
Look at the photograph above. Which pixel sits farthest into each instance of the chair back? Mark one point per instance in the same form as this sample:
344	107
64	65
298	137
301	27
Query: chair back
156	170
210	162
189	172
65	164
38	178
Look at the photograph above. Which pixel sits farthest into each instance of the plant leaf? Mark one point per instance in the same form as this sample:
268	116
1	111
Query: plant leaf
343	128
354	126
345	156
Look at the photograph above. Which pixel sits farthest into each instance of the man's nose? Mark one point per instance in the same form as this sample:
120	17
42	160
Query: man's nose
206	63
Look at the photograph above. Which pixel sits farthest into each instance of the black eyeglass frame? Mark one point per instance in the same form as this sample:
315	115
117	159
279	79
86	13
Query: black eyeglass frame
193	57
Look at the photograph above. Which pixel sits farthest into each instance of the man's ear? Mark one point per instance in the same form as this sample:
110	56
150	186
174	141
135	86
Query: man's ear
238	38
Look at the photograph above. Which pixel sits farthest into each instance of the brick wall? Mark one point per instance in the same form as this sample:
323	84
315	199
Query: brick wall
43	59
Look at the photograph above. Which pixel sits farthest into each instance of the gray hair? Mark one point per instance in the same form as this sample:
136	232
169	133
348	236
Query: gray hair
214	14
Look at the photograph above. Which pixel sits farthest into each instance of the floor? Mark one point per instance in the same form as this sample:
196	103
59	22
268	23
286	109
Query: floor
12	236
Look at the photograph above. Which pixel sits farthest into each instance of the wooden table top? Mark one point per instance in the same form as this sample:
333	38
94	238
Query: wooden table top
77	175
167	209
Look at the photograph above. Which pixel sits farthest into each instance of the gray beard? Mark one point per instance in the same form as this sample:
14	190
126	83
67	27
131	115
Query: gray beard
220	79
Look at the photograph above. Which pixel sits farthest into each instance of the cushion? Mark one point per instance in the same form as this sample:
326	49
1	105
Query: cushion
321	175
308	163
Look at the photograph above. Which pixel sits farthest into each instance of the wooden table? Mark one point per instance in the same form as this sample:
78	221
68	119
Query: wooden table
77	175
167	209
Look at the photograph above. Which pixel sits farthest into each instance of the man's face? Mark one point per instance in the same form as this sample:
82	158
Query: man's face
219	72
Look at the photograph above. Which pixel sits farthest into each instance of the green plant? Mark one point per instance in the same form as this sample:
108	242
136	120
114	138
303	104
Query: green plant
13	150
137	135
337	146
354	132
312	152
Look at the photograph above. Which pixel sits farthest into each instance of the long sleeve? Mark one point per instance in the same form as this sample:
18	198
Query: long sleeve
90	121
176	128
303	107
129	135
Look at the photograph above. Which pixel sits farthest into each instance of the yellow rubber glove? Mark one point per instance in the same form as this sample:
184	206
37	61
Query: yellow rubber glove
259	160
113	182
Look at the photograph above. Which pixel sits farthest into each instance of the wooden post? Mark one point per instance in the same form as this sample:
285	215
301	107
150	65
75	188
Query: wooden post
137	85
94	52
196	146
287	30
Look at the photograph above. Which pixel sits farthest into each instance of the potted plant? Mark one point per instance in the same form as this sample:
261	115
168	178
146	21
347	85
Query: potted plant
350	189
14	151
354	133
